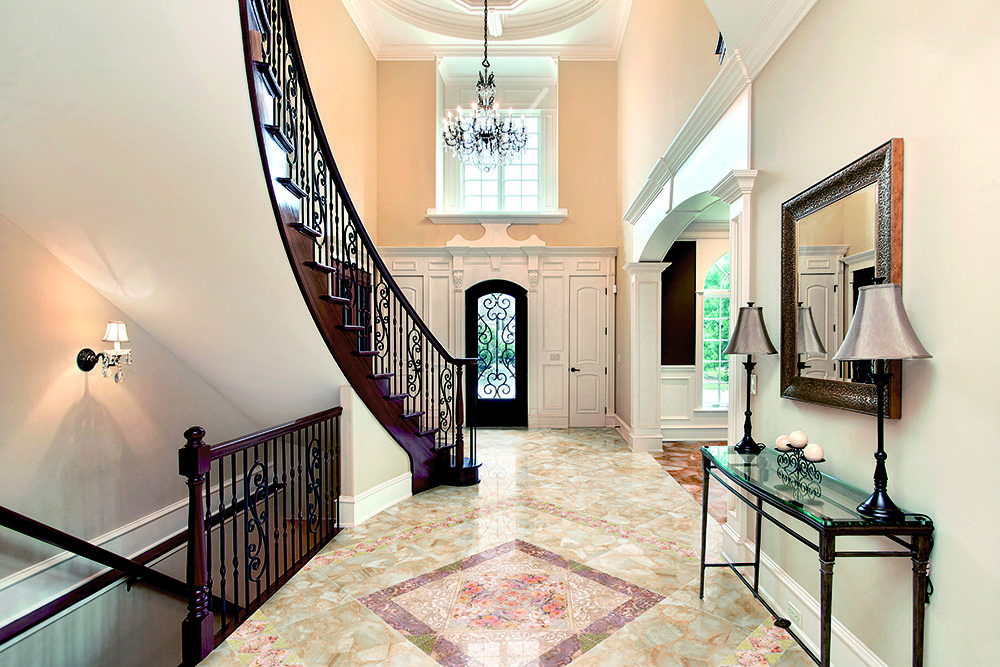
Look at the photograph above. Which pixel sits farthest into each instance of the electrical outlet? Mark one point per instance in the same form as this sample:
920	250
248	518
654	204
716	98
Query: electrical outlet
794	615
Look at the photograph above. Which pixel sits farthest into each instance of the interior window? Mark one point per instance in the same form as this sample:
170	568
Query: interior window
715	336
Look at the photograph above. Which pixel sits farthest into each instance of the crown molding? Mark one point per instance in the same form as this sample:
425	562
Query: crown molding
368	34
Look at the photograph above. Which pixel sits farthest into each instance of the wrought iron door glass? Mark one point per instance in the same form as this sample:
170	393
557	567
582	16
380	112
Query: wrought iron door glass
496	336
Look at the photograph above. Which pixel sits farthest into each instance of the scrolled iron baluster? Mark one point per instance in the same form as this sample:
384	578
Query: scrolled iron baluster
446	411
257	551
414	353
313	490
318	178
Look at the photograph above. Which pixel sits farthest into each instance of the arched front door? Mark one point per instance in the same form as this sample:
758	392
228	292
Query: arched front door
495	334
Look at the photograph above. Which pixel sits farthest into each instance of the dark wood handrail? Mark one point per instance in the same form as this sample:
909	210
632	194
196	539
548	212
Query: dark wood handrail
85	590
57	538
245	441
338	180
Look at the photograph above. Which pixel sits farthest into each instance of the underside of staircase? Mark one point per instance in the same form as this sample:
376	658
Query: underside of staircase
401	372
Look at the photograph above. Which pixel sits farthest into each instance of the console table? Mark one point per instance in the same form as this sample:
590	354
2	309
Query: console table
776	484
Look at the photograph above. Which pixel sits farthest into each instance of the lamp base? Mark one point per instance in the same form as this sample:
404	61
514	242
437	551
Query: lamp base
748	446
880	506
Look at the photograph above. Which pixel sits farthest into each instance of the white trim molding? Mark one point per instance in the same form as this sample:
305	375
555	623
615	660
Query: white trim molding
544	218
355	510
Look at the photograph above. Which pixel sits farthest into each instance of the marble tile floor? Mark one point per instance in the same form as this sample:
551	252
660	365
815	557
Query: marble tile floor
572	550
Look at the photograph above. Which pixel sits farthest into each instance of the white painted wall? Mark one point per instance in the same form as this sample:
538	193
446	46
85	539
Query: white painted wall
853	75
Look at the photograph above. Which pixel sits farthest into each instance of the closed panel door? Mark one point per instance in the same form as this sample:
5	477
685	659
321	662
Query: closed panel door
818	292
588	350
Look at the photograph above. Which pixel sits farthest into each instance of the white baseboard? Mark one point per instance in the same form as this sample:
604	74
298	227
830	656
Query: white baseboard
778	588
355	510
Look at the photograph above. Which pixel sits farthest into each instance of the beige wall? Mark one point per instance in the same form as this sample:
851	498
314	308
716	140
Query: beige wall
852	76
79	451
849	221
587	157
342	73
407	123
664	67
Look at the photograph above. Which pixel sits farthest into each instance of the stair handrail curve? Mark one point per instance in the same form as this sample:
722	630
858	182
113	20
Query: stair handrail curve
375	305
342	191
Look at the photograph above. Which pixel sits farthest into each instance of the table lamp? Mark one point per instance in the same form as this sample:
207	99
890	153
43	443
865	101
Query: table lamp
807	340
880	330
749	338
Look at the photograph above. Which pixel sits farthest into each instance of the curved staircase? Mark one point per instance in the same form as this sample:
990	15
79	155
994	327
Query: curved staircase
404	375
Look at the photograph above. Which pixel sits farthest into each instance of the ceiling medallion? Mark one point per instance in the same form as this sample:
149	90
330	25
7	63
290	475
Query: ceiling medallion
487	138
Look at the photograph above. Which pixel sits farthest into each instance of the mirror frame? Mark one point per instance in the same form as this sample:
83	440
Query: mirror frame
883	166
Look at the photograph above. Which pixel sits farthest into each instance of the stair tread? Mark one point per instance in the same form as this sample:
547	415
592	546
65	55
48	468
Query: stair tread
318	266
364	353
430	431
294	188
351	327
334	299
413	415
380	376
280	137
269	78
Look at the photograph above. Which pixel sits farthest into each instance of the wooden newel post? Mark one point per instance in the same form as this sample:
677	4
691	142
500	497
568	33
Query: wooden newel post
197	630
459	420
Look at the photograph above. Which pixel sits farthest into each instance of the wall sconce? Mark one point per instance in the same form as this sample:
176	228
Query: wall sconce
115	359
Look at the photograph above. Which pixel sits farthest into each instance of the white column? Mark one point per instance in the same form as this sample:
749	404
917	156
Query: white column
645	304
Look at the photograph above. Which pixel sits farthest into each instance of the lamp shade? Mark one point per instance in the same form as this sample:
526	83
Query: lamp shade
750	335
807	340
880	328
116	333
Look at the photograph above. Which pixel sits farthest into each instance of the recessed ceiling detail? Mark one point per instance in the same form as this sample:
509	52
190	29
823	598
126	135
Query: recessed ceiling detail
521	19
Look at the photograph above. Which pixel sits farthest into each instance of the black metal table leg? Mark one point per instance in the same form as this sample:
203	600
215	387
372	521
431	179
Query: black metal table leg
704	521
756	547
827	555
921	556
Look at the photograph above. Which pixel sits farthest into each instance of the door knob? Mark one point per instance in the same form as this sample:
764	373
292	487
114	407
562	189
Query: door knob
573	369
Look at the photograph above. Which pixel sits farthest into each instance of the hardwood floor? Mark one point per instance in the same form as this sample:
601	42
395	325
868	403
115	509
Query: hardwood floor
683	461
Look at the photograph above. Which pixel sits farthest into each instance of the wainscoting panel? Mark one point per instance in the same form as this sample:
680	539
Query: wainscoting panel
436	280
681	416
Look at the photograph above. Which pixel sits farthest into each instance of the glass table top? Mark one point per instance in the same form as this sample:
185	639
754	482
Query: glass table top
799	485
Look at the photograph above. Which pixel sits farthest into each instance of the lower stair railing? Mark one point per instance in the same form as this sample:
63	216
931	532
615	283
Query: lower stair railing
402	372
260	507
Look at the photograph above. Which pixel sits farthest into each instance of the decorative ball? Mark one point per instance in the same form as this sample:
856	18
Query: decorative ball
813	452
798	439
781	443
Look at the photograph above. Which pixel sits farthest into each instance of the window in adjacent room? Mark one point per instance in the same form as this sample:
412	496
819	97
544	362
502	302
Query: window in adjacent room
715	336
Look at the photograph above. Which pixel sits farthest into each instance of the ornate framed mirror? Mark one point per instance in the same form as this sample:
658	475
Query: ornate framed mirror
840	234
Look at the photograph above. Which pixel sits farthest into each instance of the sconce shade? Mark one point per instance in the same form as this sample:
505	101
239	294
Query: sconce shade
750	335
880	328
116	333
807	340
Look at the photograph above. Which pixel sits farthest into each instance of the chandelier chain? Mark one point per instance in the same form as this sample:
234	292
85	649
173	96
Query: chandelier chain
486	60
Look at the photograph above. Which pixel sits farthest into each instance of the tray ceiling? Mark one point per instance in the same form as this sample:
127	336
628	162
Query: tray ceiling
411	29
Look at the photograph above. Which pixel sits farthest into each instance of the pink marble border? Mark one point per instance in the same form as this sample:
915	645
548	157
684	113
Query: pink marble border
409	534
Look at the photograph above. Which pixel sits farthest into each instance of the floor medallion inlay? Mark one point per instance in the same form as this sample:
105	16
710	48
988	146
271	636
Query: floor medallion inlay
513	605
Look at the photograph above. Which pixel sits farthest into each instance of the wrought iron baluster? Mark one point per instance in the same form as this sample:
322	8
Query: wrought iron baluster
236	551
222	538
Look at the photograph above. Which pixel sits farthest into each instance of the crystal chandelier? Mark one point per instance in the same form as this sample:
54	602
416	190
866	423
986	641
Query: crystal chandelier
487	138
